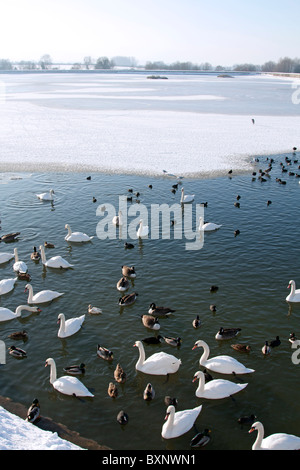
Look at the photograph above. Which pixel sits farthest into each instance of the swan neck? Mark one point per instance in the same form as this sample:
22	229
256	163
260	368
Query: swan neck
201	383
43	254
16	255
259	438
52	372
30	294
69	230
292	288
170	420
205	354
141	359
62	324
23	307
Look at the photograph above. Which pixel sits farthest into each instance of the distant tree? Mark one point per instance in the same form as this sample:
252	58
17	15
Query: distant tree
269	66
245	68
124	61
104	63
87	62
285	65
27	65
206	66
220	68
76	66
45	61
5	64
156	66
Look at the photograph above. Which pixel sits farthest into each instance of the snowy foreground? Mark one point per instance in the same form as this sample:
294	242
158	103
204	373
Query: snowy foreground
18	434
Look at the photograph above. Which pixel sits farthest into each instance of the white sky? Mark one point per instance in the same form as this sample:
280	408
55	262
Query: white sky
216	31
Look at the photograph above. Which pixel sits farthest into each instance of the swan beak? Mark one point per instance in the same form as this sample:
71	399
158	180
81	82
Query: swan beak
251	430
194	347
39	310
194	379
46	363
167	415
288	286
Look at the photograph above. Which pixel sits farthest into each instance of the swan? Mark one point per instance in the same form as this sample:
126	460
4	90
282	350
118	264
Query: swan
278	441
6	285
186	198
157	364
19	266
221	364
69	327
294	295
46	196
143	230
117	219
7	314
208	226
94	310
216	388
66	384
54	262
5	257
42	296
78	237
180	422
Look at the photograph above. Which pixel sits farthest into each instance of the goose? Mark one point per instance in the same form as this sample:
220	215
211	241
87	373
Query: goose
9	237
278	441
186	198
180	422
5	257
66	384
213	308
128	299
201	439
117	219
119	374
46	196
7	314
294	295
227	333
196	322
24	277
266	348
77	369
158	364
123	284
129	271
150	322
208	226
122	417
221	364
159	311
19	335
104	353
241	347
19	266
69	327
216	388
143	230
78	237
41	297
6	285
35	255
173	341
112	390
55	262
94	310
17	352
33	412
149	392
152	340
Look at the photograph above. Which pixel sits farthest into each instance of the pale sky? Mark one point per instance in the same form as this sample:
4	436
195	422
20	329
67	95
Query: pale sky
221	32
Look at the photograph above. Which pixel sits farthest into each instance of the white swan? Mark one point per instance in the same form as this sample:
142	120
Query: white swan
157	364
294	295
221	364
6	285
4	257
278	441
7	314
216	388
19	266
186	198
180	422
55	262
117	219
143	230
68	385
42	296
78	237
208	226
69	327
46	196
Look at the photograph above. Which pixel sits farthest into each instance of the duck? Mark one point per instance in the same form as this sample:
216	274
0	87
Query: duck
152	340
94	310
66	385
294	295
77	369
292	338
119	374
41	297
158	364
186	198
160	311
19	266
213	308
266	348
5	257
69	327
122	417
104	353
7	314
180	422
246	419
77	237
173	341
217	388
278	441
9	237
149	392
123	284
201	439
221	364
275	342
214	288
35	255
48	245
24	277
33	412
128	299
227	333
117	219
56	262
112	390
196	322
170	401
128	245
6	285
129	272
150	322
143	230
17	352
46	196
241	347
19	335
236	232
208	226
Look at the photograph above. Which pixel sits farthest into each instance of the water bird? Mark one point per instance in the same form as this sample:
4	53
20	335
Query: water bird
230	172
170	401
94	199
266	349
159	311
149	392
196	322
275	342
17	352
201	439
24	277
180	422
214	288
236	233
150	322
6	285
119	374
208	226
292	338
128	246
66	384
237	204
9	237
5	257
159	363
41	297
204	204
94	310
152	340
123	284
33	412
128	299
117	219
7	314
217	388
222	364
19	266
104	353
213	308
57	262
122	417
173	341
69	327
88	178
150	186
46	196
186	198
227	333
294	295
76	369
247	419
143	230
112	390
269	203
277	441
241	347
238	197
35	255
19	335
129	271
77	237
48	245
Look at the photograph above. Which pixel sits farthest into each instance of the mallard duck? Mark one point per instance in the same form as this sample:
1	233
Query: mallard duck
123	284
128	299
75	369
150	322
24	277
17	352
227	333
149	392
152	340
201	439
35	255
119	374
19	335
104	353
159	311
48	245
196	322
241	347
33	412
122	417
94	310
112	390
129	271
172	341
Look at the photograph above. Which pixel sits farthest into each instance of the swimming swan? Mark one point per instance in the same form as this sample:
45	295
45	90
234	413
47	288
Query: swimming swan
7	314
278	441
216	388
4	257
78	237
208	226
186	199
294	295
19	266
143	230
6	285
157	364
55	262
42	296
66	384
69	327
46	196
221	364
180	422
